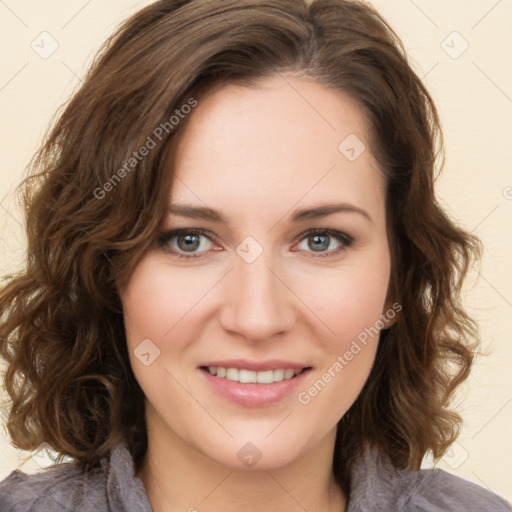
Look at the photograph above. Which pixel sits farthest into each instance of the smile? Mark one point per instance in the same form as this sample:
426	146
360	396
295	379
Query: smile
254	388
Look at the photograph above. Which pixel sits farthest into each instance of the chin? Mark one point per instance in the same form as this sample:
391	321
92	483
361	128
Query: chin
258	455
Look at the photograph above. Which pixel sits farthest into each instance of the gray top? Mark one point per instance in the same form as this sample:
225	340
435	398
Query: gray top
378	486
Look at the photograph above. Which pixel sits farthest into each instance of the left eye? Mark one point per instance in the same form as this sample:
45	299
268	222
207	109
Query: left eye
320	240
184	243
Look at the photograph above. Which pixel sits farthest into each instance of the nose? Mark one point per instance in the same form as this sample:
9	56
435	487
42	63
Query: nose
257	301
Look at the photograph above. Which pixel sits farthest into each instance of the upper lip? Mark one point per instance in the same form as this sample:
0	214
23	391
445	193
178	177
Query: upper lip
257	366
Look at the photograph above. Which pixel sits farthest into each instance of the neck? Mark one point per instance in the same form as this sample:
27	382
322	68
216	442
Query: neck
178	477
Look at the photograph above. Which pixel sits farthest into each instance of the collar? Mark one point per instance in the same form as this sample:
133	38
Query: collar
374	480
125	491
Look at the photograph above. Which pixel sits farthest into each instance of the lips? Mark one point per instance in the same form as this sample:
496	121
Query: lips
260	394
263	391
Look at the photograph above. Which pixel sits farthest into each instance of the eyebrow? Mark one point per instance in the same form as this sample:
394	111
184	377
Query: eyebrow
298	215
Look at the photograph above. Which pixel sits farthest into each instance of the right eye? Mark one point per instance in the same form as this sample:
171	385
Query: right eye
185	242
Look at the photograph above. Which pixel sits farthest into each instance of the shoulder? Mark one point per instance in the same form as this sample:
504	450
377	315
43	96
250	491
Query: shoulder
437	490
378	485
58	488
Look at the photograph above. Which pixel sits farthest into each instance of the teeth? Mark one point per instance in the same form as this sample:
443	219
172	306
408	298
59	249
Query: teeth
249	376
278	375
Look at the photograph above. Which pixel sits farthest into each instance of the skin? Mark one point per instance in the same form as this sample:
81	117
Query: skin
268	150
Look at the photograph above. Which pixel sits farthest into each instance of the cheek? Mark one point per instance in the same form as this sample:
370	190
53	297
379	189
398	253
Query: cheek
157	306
350	307
351	310
348	300
158	303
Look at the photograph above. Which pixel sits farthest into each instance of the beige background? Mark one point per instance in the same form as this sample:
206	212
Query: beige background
473	90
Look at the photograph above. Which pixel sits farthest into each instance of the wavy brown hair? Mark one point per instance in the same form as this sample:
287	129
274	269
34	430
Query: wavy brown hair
68	375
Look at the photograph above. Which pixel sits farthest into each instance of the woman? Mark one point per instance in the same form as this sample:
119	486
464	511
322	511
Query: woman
240	289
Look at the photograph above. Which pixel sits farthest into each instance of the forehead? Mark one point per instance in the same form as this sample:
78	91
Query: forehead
286	138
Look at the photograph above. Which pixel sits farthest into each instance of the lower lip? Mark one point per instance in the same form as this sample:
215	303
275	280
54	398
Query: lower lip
254	395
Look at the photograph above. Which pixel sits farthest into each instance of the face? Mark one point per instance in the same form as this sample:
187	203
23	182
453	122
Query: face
275	285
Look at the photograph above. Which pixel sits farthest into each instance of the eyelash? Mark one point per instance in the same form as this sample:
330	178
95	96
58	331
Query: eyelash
345	239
